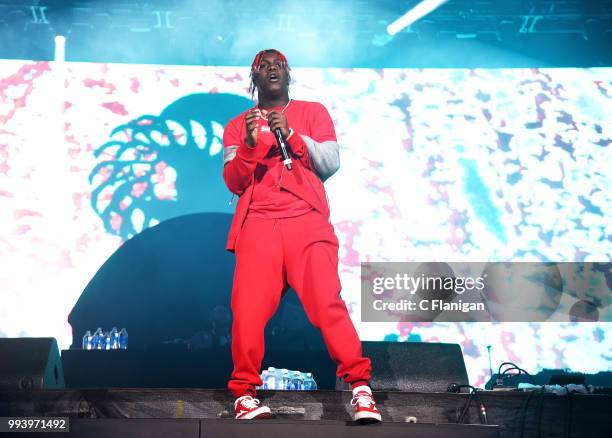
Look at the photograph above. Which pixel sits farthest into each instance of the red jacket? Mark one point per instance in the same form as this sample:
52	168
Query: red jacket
315	161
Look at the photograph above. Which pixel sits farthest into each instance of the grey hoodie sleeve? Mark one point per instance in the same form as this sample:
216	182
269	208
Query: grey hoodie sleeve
325	156
229	153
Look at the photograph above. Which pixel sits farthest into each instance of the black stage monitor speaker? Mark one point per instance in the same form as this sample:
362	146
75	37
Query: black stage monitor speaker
414	366
30	363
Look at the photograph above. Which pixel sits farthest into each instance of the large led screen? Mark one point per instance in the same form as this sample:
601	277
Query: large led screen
436	165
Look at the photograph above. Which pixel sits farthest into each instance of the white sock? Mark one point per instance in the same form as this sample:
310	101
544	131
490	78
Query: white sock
362	388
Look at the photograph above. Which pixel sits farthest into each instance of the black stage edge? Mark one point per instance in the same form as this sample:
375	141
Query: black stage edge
517	413
188	428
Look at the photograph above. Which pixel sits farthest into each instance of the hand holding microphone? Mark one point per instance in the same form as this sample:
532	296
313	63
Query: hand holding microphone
278	125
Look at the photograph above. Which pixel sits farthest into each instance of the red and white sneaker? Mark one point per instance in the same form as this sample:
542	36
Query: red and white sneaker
365	406
247	408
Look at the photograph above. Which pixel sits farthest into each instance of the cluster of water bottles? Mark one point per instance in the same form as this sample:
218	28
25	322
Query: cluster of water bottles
284	379
100	340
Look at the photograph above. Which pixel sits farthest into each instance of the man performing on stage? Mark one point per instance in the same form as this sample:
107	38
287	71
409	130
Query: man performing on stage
282	235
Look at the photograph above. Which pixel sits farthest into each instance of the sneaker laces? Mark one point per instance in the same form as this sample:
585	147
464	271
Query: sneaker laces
248	402
363	399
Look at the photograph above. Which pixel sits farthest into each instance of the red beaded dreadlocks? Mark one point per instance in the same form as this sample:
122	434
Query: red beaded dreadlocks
257	62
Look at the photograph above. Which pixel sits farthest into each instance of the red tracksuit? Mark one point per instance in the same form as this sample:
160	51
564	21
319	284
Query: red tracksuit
282	237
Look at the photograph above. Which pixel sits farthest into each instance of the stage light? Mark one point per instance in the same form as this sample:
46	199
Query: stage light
414	14
60	48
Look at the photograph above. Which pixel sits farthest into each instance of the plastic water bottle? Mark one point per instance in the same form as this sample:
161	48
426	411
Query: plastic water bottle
298	381
87	338
292	381
107	341
123	339
306	383
97	342
270	382
309	383
114	339
264	380
278	379
286	379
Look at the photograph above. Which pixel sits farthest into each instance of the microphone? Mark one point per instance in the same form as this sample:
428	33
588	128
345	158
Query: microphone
282	144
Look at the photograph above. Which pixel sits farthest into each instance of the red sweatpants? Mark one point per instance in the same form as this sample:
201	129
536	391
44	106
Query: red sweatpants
302	252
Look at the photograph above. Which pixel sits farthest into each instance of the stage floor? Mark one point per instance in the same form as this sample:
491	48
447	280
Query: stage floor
191	428
514	412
